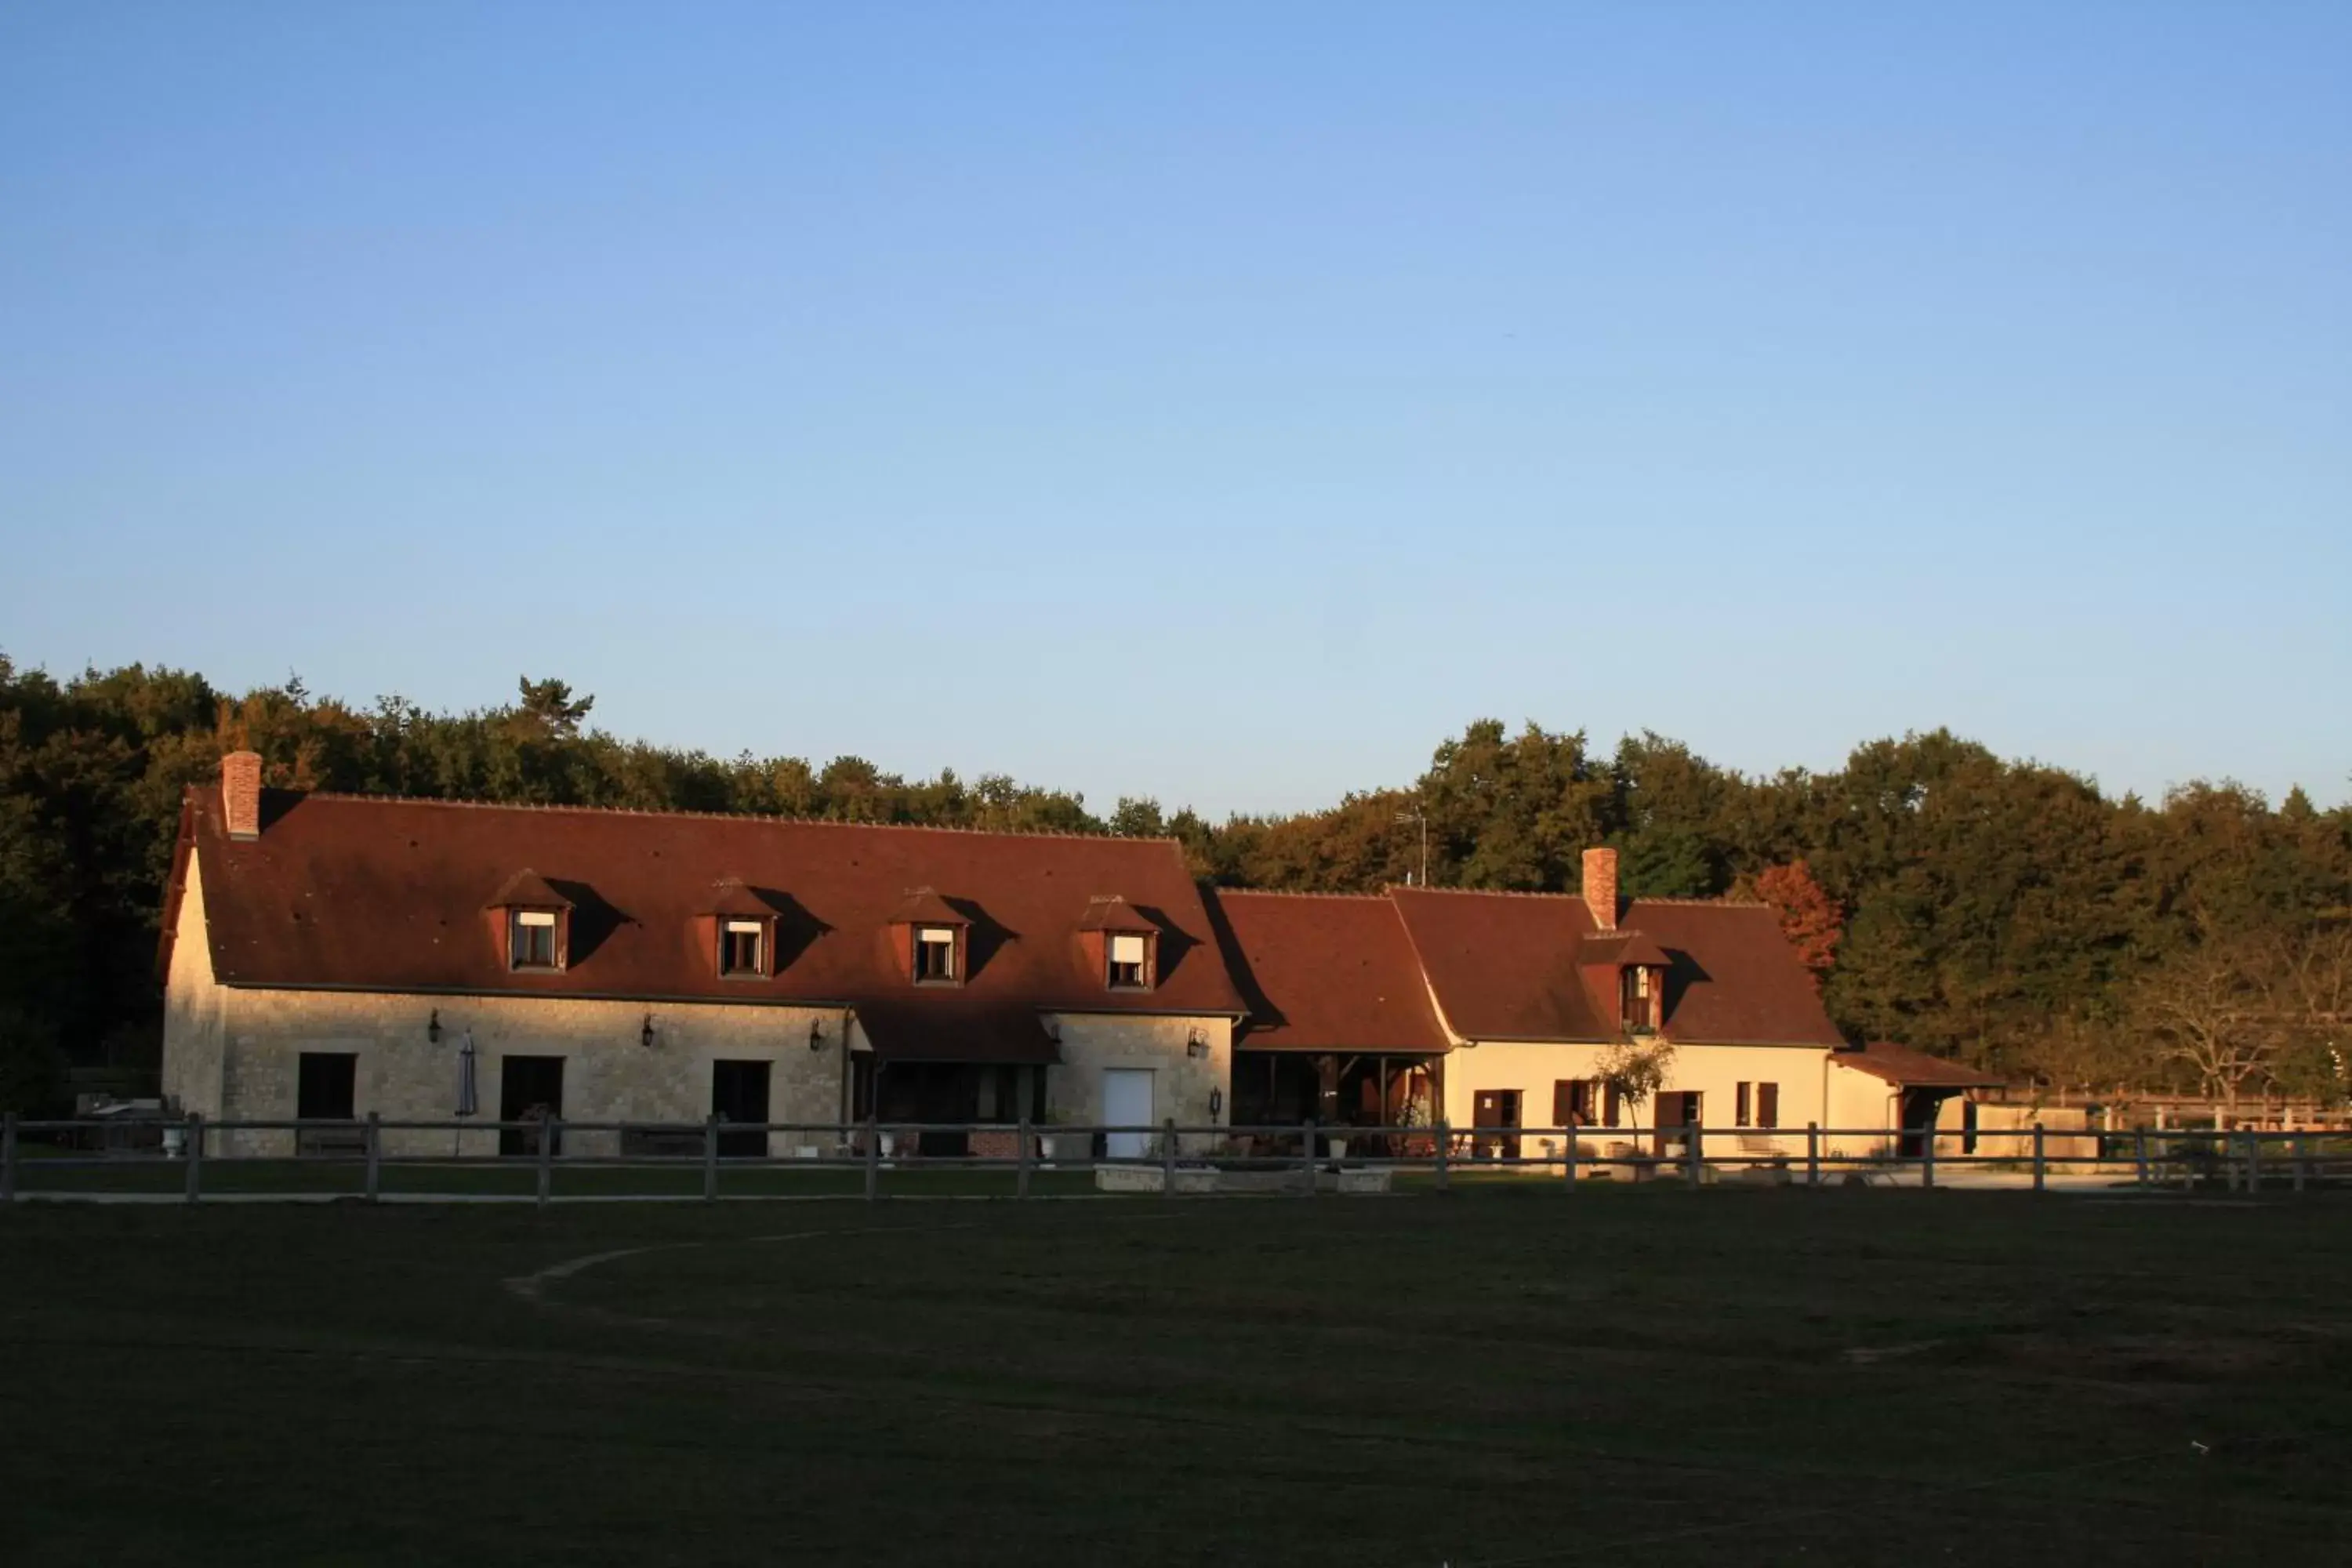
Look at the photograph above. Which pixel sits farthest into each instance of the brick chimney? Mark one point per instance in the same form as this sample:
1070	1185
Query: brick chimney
1601	886
241	794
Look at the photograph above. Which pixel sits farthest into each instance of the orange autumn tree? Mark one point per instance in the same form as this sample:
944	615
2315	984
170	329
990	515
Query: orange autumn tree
1810	918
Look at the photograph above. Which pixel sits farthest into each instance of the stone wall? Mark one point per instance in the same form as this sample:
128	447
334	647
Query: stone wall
608	1075
1181	1084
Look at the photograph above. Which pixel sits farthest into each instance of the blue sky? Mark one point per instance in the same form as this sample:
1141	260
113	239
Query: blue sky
1218	402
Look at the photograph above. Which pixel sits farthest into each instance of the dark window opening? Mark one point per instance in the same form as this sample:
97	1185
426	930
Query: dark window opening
935	955
530	1091
1740	1107
323	1085
739	1093
1000	1094
531	942
739	949
1768	1105
1130	964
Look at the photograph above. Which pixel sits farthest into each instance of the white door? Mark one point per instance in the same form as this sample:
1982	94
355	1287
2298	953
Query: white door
1126	1102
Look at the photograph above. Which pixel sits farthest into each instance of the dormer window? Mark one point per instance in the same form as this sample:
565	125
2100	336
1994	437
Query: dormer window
743	949
531	940
935	955
1131	962
1119	943
736	925
528	922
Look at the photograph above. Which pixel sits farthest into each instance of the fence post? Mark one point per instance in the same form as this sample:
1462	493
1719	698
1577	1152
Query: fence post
1168	1157
547	1129
8	1157
1444	1151
1812	1153
1021	1167
1306	1154
2298	1152
873	1159
710	1158
1693	1153
1568	1165
2253	1146
1927	1160
2139	1156
195	1154
375	1136
2040	1160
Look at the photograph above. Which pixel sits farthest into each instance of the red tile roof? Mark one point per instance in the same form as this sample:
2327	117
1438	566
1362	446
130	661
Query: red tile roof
527	890
377	894
1622	947
359	893
1109	913
1326	973
1504	968
1906	1067
732	898
924	906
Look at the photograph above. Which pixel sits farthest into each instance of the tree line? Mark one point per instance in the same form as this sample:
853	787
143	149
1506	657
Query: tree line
2004	912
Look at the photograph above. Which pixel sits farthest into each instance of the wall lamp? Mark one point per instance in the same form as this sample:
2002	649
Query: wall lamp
1196	1044
433	1028
1216	1103
816	1035
645	1035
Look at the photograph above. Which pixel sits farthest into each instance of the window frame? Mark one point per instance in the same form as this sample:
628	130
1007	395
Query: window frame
729	928
1641	993
522	957
927	937
1140	977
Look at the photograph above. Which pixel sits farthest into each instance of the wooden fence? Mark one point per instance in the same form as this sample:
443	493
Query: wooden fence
1184	1158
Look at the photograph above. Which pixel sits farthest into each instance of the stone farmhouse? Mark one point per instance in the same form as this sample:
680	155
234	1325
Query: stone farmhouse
328	957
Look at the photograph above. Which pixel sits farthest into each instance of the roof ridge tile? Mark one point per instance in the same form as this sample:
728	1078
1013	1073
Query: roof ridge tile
731	816
1293	893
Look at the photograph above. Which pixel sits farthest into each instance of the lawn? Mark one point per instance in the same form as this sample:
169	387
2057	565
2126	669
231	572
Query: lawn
1511	1374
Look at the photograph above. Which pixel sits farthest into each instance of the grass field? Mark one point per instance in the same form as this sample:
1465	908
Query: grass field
1512	1375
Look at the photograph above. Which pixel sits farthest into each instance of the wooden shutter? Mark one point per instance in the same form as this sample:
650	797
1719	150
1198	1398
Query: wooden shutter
1612	1111
1563	1102
1740	1107
1768	1105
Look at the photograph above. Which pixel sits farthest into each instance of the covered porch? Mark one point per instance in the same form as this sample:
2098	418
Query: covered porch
913	1067
1381	1096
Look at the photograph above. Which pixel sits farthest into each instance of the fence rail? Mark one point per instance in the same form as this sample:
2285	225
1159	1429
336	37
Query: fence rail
192	1145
